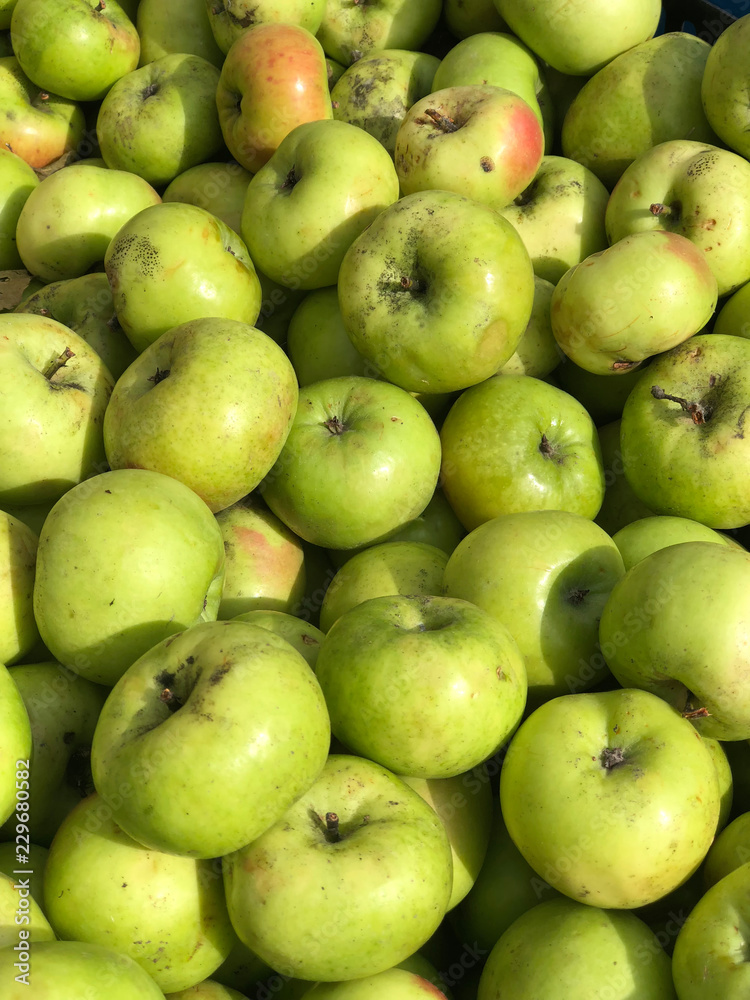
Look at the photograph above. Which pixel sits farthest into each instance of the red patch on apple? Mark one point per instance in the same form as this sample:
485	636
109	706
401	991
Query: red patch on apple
429	988
525	147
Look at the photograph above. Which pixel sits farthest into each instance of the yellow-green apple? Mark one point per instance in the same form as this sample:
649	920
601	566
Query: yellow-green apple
317	342
549	596
166	912
682	433
228	19
647	293
224	452
560	216
253	736
6	10
358	438
265	562
15	751
484	142
63	709
580	39
646	96
34	124
357	829
416	269
702	672
208	989
17	181
273	78
97	616
649	534
85	306
603	397
696	190
242	970
174	263
396	983
733	316
563	948
407	568
726	779
729	851
537	353
377	90
610	796
22	920
53	407
77	48
220	188
468	17
18	631
162	31
69	220
305	638
426	686
515	443
349	31
723	87
326	182
620	505
161	119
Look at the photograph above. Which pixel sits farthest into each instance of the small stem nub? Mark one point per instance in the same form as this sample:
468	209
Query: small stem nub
696	713
334	425
100	6
60	361
658	209
170	699
159	375
411	284
698	411
332	828
611	757
443	122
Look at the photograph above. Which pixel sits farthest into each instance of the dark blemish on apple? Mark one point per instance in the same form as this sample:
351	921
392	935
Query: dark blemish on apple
219	673
741	424
124	886
68	738
190	661
111	602
109	492
486	164
576	598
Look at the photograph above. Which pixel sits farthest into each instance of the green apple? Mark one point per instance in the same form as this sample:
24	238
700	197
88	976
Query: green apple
537	353
166	912
68	222
98	615
682	433
388	569
32	515
620	505
209	989
560	216
396	984
228	19
649	534
377	90
733	316
163	30
305	638
17	181
85	306
77	48
63	709
61	967
546	576
723	86
694	659
29	863
22	921
696	190
729	851
265	563
349	31
254	737
362	459
426	686
173	263
220	188
580	39
603	397
35	125
515	443
277	307
416	269
362	876
468	17
563	948
646	96
15	752
156	418
57	390
611	797
242	970
18	631
317	342
726	779
326	182
161	119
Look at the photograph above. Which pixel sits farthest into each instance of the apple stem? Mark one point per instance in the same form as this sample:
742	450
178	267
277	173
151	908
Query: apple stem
696	713
412	284
159	375
443	122
170	699
698	411
332	828
43	95
334	425
658	208
611	757
60	361
100	6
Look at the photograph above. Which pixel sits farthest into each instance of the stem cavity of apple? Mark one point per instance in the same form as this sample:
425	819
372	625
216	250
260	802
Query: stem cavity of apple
334	426
611	757
290	180
549	451
159	375
59	362
699	411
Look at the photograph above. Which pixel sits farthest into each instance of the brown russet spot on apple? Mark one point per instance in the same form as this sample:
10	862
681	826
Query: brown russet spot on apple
220	672
612	757
486	164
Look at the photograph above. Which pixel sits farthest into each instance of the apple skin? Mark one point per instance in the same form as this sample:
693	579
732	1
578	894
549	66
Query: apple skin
305	638
18	909
273	78
174	263
484	142
549	596
349	31
649	534
426	686
404	846
416	269
396	984
37	126
32	866
705	667
317	342
69	221
92	971
150	422
167	913
560	216
18	631
161	33
231	18
580	40
161	119
326	182
611	797
603	397
15	744
562	948
98	616
537	353
702	192
492	425
17	181
463	19
52	415
76	48
733	317
722	87
207	990
363	439
729	851
219	188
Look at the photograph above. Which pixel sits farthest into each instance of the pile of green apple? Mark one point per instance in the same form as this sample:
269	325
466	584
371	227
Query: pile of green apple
374	491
